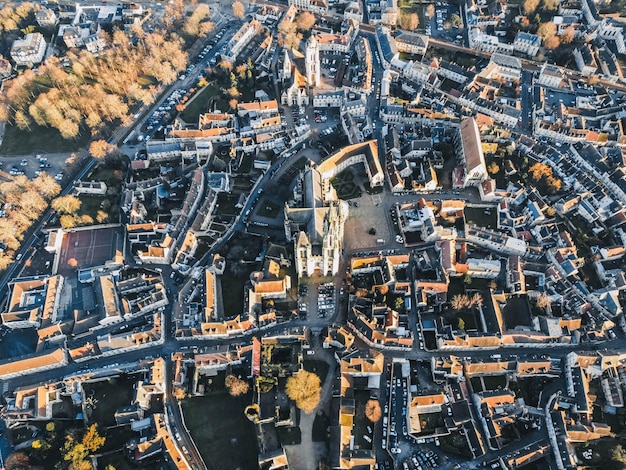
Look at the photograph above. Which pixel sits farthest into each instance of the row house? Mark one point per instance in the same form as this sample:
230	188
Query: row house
314	6
241	39
412	43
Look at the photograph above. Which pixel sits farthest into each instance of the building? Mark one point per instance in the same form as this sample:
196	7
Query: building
314	6
241	39
470	152
550	76
312	62
29	51
32	302
585	60
527	43
316	227
412	43
387	47
46	18
6	69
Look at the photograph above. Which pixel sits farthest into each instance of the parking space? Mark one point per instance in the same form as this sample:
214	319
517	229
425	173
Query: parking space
325	299
33	165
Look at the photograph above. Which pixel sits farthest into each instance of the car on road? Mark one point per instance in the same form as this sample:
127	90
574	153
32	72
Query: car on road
24	162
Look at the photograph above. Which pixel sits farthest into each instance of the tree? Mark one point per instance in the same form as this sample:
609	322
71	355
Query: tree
101	217
543	177
551	5
552	42
546	30
568	35
305	21
430	10
530	6
292	40
68	221
66	204
542	300
304	388
236	386
241	71
238	10
100	148
456	20
372	411
493	168
225	65
92	440
409	21
18	461
46	185
460	302
179	393
460	324
33	203
476	300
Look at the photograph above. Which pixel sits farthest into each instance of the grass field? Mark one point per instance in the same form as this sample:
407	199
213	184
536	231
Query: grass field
199	104
224	436
19	142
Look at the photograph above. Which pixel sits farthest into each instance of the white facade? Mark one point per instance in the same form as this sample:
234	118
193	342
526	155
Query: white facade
526	43
312	62
29	51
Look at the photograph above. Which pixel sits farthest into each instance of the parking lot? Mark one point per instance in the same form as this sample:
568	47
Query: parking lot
33	165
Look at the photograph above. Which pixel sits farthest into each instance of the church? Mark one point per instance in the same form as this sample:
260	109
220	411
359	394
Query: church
298	73
315	225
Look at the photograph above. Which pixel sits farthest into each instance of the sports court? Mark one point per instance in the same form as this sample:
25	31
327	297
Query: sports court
87	248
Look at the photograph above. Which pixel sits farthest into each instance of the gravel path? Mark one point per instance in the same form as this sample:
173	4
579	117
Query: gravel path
308	454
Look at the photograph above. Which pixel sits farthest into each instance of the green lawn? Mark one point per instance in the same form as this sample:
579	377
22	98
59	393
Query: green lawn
199	104
18	142
109	396
345	186
226	204
223	435
232	290
269	209
482	217
117	460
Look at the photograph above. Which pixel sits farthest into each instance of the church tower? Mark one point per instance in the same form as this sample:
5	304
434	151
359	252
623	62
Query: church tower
312	60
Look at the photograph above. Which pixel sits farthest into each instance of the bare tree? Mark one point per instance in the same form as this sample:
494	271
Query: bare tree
476	300
66	204
304	388
409	21
373	411
305	21
236	386
238	9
